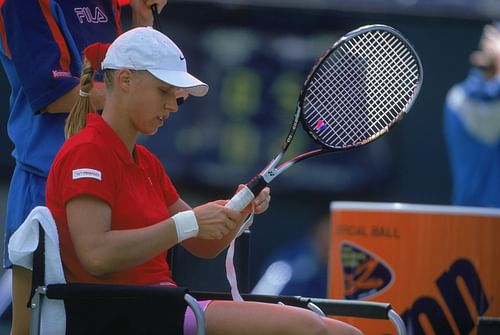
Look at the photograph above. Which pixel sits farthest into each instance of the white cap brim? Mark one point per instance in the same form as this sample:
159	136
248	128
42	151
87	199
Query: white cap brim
181	79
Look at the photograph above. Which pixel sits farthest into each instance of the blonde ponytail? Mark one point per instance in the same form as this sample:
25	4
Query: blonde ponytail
76	119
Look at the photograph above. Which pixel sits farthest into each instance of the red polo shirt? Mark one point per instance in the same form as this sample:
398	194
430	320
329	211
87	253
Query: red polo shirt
96	162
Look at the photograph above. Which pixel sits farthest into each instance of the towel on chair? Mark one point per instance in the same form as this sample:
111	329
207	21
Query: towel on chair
22	245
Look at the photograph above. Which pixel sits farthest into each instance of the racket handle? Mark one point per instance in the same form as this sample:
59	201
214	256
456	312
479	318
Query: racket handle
241	199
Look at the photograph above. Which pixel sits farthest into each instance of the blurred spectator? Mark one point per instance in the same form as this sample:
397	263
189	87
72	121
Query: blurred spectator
299	267
472	127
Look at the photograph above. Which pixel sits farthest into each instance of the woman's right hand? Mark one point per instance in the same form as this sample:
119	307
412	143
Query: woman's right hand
216	221
490	44
141	11
488	57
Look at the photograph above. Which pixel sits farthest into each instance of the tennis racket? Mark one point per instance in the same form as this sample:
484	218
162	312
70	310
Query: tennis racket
363	85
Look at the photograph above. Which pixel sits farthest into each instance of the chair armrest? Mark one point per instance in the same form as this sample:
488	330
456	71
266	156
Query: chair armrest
92	291
354	308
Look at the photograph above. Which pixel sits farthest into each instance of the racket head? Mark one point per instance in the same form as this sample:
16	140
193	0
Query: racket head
359	88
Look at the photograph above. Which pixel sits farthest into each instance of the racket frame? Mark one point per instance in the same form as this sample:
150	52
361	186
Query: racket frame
273	169
350	35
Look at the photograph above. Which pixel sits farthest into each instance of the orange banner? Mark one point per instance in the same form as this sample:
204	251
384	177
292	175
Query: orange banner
438	266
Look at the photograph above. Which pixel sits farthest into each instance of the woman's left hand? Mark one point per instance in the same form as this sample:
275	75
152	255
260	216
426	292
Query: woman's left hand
260	203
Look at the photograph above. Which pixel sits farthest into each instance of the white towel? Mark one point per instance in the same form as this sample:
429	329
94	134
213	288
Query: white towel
22	244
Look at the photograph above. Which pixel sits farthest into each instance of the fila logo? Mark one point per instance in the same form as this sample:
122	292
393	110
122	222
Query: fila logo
85	14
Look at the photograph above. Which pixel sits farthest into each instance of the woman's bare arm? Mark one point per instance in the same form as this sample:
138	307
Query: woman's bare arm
102	250
66	102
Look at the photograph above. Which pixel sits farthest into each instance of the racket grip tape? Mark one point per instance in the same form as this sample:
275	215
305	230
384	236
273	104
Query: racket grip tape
241	199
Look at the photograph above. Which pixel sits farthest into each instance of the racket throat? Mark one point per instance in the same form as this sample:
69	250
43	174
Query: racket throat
264	178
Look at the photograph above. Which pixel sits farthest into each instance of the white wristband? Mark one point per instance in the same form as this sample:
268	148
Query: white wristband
186	225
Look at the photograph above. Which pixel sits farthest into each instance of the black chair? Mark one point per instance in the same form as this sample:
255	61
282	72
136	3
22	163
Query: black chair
112	309
118	309
488	325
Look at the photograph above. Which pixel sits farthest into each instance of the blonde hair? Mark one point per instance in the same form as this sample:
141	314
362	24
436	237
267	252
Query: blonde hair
76	119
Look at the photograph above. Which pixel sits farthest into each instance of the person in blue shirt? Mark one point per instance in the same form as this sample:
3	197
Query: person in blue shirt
41	52
472	127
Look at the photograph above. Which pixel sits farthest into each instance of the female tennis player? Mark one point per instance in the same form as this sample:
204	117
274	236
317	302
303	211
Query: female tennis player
118	212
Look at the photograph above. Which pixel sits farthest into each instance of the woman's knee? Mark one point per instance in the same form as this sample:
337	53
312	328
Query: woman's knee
311	324
354	331
341	328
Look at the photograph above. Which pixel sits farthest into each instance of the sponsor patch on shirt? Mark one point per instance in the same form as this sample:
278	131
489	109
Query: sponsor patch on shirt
87	173
61	74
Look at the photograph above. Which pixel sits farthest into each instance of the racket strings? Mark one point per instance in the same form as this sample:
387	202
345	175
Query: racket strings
382	76
401	66
360	89
326	100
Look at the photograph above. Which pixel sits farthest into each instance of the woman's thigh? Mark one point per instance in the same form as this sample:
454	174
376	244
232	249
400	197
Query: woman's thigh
254	318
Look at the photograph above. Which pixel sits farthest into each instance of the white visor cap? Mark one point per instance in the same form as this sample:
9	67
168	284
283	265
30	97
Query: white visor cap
147	49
